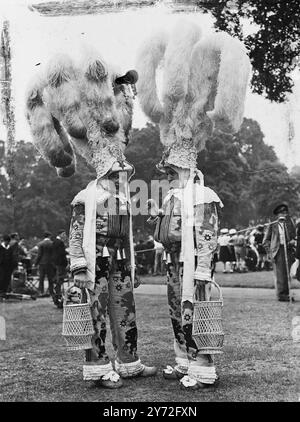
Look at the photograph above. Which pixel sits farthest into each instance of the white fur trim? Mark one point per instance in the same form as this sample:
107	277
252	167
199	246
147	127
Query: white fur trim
96	372
131	369
111	376
182	364
204	374
168	370
77	264
188	381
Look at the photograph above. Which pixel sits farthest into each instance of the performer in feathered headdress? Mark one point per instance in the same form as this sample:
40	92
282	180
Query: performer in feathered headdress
204	83
87	107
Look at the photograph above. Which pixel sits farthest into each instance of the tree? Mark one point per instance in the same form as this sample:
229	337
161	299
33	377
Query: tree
251	142
238	167
144	152
42	198
9	114
274	49
273	186
247	175
224	169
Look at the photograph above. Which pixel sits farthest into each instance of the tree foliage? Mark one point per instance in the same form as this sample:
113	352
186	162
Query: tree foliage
42	199
274	47
241	168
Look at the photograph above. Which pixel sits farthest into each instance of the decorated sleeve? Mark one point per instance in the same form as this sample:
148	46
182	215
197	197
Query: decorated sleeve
77	258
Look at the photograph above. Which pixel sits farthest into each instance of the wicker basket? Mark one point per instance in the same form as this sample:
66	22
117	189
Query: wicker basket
208	331
78	325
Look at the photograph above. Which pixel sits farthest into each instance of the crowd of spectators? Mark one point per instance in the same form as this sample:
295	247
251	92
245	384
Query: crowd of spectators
238	251
46	259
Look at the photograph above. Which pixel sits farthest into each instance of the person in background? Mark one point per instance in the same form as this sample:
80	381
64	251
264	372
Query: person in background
14	244
250	258
240	251
158	262
262	253
44	261
150	254
231	243
60	263
6	264
140	257
280	239
224	252
24	256
297	253
252	245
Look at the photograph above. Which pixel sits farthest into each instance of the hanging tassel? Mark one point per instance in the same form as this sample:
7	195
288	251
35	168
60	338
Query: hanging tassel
105	252
123	254
119	258
169	261
164	258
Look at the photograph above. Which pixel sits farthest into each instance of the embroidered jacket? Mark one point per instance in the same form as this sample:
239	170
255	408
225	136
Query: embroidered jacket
112	230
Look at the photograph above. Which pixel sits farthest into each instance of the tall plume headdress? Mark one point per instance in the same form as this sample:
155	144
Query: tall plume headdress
204	82
85	107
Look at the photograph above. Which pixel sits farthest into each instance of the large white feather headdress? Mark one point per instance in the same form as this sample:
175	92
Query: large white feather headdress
204	82
84	106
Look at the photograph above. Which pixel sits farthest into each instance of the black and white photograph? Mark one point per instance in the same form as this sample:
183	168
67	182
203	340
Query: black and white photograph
149	203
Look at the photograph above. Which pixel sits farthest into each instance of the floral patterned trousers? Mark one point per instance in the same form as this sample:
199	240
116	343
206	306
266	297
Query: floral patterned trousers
181	315
113	295
205	232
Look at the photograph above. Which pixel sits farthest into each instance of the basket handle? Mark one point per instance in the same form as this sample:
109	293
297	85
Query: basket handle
218	288
85	296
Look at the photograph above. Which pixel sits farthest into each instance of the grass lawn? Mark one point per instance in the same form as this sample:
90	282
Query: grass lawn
259	364
260	279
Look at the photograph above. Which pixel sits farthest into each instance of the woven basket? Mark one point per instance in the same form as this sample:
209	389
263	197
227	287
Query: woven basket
208	331
78	325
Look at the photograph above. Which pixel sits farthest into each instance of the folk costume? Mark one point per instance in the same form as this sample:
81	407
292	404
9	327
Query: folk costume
101	244
87	107
199	89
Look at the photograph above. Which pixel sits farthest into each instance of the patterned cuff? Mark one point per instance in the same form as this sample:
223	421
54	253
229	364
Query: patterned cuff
203	374
182	365
95	372
79	265
128	370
